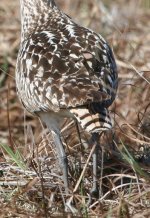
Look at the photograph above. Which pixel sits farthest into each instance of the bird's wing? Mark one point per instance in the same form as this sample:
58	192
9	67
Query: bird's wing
67	68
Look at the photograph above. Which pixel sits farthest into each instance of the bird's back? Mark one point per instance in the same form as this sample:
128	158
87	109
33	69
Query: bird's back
62	65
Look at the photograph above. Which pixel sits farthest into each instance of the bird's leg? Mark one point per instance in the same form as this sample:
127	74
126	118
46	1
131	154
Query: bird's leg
63	161
94	191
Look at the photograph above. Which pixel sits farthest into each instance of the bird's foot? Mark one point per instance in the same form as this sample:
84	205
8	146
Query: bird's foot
69	207
94	194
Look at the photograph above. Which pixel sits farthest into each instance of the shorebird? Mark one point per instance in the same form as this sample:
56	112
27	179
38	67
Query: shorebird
64	70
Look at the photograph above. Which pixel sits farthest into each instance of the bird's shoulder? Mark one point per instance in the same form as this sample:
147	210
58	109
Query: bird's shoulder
74	61
65	38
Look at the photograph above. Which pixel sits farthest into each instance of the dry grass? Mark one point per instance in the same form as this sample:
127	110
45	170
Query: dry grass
30	182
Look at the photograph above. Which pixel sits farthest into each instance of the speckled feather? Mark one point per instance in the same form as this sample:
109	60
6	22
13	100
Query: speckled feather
62	65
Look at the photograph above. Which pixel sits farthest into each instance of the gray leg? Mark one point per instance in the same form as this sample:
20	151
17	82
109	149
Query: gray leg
52	120
94	190
62	159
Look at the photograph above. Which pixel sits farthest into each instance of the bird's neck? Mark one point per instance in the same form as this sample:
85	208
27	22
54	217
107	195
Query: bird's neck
33	14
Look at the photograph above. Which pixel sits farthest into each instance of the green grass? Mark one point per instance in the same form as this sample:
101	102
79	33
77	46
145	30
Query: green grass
15	157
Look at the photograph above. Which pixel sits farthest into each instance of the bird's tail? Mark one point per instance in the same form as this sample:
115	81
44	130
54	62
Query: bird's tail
93	122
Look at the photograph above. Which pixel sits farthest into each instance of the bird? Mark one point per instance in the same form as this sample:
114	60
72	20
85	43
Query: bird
64	70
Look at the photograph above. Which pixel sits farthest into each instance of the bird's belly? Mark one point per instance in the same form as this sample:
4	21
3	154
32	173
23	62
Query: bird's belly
53	120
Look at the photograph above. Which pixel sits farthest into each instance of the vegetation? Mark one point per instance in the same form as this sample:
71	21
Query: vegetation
30	179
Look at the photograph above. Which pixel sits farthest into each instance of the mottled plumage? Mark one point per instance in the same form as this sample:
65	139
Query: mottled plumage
64	69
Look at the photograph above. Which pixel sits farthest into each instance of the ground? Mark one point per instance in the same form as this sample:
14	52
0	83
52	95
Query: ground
30	183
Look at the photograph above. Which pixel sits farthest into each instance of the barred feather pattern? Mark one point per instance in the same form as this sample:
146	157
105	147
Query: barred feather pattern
64	66
93	122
